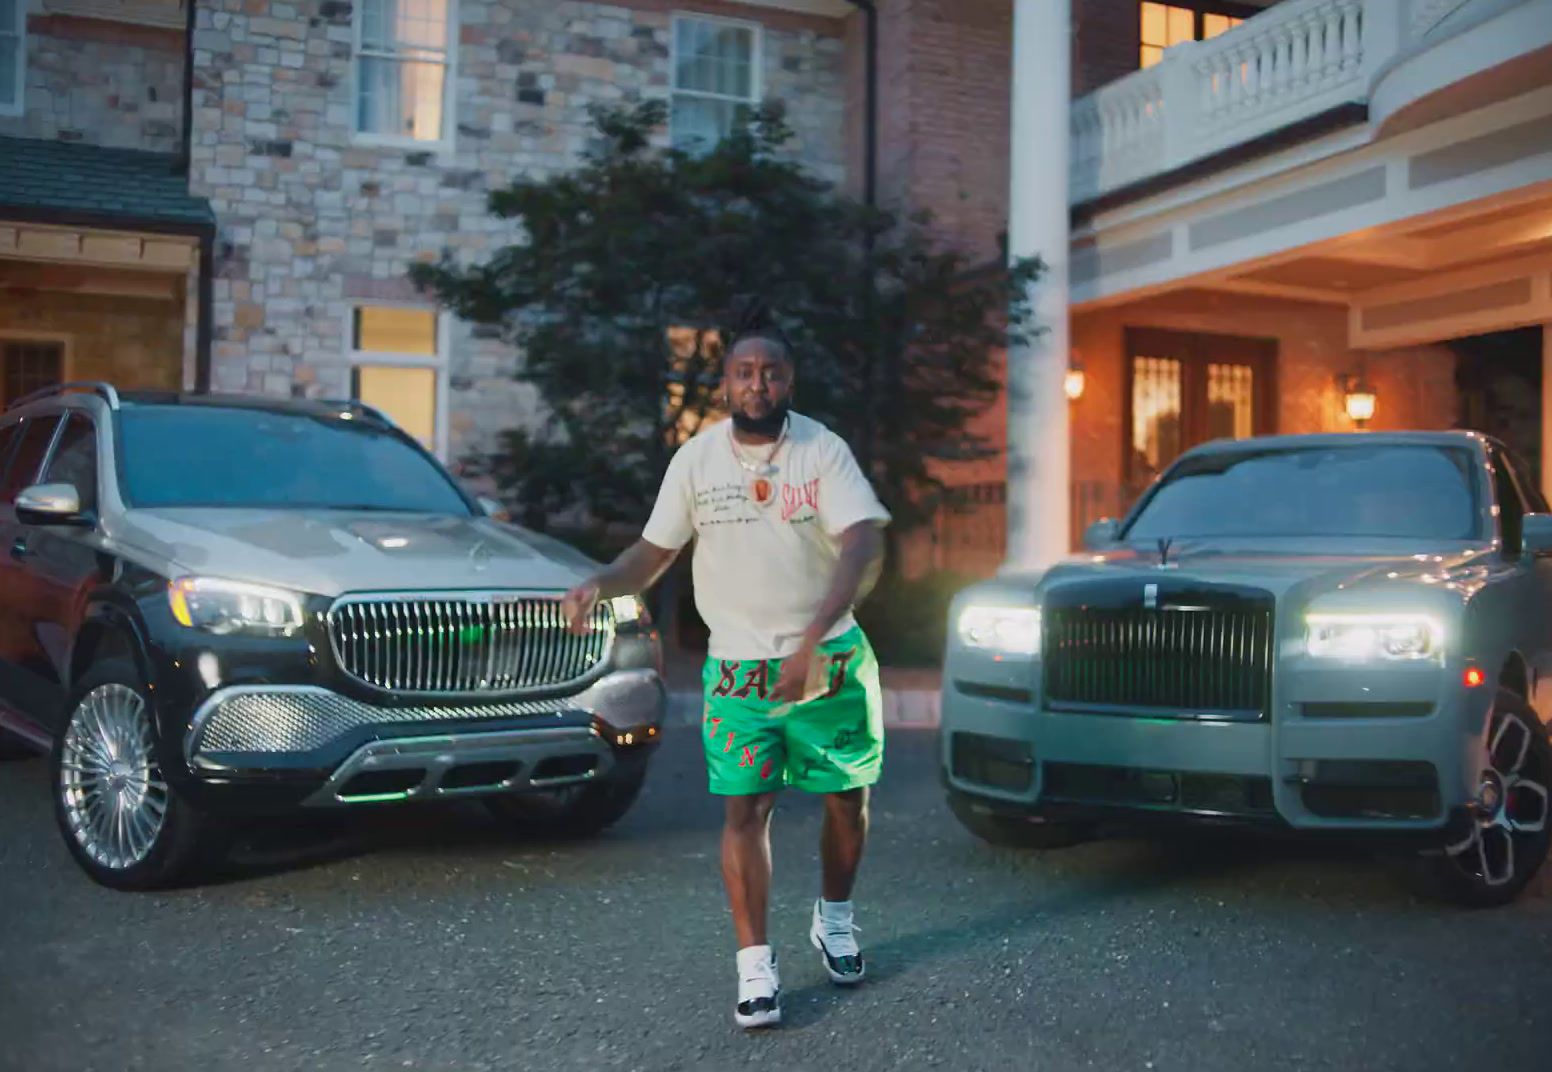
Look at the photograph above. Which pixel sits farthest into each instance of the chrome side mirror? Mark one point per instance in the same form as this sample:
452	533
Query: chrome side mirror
1101	533
494	509
50	504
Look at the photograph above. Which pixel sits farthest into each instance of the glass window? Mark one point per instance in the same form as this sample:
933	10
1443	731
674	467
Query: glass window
403	381
75	460
28	365
715	72
28	457
401	68
13	55
290	461
1166	25
1419	492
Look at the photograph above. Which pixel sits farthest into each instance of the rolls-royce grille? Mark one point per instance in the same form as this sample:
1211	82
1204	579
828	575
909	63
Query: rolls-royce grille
465	645
1202	661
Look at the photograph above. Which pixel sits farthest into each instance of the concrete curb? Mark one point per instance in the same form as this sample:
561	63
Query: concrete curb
913	708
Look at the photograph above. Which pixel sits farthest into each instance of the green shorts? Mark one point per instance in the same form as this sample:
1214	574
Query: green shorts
830	744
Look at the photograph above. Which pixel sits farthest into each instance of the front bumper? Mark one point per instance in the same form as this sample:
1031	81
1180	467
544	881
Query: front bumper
1401	758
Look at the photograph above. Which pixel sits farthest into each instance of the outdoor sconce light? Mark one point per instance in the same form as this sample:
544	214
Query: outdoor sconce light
1358	399
1073	383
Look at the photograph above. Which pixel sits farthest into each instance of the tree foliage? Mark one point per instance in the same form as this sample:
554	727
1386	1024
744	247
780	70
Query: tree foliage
630	272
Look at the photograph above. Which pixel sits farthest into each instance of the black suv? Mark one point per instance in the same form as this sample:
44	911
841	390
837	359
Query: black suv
216	606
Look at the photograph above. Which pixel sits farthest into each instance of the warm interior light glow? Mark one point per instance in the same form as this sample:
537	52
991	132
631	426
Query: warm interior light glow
1073	384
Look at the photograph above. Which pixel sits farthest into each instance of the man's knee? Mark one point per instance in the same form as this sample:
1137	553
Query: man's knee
849	807
747	814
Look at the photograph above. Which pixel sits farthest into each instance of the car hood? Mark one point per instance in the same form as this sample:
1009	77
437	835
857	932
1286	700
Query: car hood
1291	571
330	552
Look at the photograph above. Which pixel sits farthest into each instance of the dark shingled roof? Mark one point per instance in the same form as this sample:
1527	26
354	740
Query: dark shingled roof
72	182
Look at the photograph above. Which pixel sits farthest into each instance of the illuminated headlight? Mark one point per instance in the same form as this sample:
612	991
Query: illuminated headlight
225	607
1012	630
626	609
1368	637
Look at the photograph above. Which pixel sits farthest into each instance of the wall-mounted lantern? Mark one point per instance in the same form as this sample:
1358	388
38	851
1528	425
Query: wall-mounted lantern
1358	398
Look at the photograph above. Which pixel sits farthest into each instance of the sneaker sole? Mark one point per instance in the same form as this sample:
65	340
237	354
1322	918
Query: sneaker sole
835	977
758	1020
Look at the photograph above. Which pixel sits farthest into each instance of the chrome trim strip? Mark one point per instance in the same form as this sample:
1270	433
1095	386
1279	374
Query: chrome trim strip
25	728
438	755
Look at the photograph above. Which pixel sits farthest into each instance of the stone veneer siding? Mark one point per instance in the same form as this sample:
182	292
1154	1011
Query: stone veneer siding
103	83
312	223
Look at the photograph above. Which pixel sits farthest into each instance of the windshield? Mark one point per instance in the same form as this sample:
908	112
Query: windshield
229	456
1411	491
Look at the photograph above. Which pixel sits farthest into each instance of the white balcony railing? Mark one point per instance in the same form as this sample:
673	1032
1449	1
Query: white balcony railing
1295	60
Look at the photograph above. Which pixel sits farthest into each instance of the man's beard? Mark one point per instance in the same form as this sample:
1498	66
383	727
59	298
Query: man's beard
766	427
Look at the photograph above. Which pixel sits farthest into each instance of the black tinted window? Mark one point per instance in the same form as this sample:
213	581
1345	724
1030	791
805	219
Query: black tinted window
28	456
1382	490
212	456
75	460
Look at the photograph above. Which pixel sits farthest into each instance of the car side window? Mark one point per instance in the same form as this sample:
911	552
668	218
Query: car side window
75	460
1530	494
8	436
28	456
1511	508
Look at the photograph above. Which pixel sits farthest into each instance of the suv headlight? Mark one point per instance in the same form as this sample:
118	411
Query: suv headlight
1009	630
225	607
1371	637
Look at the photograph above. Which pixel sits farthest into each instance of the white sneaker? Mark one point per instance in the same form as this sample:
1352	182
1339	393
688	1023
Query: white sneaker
759	988
834	935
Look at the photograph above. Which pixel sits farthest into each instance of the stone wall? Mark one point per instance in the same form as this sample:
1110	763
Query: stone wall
103	83
312	222
129	342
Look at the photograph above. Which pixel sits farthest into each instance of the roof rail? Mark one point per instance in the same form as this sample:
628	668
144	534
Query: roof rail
104	391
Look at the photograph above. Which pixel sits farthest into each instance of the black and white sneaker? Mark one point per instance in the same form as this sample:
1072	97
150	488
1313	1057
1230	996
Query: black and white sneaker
759	988
833	934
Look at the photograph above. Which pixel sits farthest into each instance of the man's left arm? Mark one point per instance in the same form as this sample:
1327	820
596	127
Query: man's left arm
850	512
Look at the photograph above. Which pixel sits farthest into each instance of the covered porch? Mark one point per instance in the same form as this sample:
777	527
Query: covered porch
104	261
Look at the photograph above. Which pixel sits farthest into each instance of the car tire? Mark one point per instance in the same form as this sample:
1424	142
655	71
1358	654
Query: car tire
575	811
1489	864
1015	831
106	762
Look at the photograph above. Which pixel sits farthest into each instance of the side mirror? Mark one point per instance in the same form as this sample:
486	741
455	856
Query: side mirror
50	504
494	509
1536	535
1101	533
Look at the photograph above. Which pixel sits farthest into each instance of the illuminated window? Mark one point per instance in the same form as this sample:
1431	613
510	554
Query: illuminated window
398	369
13	55
401	69
1165	25
716	71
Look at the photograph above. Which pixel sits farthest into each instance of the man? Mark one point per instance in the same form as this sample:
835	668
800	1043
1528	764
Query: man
787	532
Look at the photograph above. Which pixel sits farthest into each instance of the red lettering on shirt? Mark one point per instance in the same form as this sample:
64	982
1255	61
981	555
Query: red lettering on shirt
796	496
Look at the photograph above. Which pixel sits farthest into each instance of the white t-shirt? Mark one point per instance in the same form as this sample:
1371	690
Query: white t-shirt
761	572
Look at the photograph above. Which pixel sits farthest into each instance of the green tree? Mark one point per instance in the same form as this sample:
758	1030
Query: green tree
629	273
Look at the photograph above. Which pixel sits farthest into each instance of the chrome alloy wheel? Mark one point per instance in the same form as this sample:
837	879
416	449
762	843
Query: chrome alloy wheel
110	783
1511	805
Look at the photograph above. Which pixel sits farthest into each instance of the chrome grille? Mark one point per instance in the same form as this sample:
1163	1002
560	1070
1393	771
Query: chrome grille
1202	652
465	644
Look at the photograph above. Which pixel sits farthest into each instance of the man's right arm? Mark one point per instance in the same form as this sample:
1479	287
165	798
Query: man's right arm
668	530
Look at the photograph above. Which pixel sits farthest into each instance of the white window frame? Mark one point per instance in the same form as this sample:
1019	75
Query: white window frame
437	362
18	105
756	60
445	143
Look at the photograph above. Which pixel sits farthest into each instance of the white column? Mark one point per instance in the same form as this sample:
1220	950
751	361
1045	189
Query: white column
1038	444
1546	411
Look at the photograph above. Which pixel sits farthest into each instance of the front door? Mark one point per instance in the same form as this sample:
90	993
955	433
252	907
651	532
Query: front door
21	686
1185	388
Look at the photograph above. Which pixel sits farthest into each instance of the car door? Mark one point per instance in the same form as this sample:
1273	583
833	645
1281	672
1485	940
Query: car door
1537	581
62	561
20	686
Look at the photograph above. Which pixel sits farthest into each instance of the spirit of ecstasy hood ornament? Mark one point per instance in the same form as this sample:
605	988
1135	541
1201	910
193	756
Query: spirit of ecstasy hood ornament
1164	545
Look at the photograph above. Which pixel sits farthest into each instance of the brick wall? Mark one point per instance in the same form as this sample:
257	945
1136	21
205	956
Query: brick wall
311	222
100	82
944	75
1106	42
